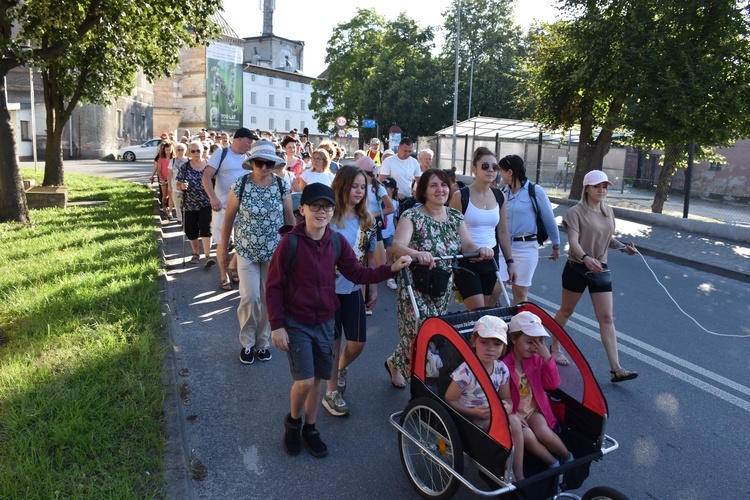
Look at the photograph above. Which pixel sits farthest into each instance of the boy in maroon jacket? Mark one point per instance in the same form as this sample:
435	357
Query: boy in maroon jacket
301	304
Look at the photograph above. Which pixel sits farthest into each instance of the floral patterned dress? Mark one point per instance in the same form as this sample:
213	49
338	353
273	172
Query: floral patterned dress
438	238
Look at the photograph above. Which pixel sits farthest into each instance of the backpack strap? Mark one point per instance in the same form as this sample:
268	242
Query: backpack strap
292	253
242	186
464	199
499	198
224	152
532	195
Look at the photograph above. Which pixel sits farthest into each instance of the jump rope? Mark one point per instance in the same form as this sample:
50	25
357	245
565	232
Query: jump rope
680	308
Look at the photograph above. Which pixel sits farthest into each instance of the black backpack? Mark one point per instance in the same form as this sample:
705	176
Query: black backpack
292	254
465	198
541	231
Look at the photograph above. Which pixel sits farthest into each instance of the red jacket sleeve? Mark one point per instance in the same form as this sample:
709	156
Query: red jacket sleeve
274	285
352	270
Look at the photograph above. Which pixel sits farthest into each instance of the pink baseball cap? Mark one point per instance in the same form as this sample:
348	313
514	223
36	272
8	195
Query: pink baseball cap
595	177
365	163
492	327
528	323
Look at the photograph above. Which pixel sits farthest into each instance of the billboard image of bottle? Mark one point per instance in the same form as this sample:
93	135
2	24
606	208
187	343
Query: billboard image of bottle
223	86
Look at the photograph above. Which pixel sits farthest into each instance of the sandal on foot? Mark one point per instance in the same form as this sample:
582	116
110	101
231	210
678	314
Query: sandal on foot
195	258
390	374
209	263
621	375
233	275
560	358
226	285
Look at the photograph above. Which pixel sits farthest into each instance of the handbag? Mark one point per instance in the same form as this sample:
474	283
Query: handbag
432	282
592	278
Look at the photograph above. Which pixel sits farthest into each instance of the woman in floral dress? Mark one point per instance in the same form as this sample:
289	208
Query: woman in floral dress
261	204
431	229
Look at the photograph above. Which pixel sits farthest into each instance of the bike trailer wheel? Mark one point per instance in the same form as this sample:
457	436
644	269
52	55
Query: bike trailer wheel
426	421
603	493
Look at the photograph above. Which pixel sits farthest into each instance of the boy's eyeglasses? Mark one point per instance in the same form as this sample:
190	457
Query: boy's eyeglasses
316	207
487	166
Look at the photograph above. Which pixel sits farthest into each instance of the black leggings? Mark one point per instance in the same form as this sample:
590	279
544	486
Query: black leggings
198	223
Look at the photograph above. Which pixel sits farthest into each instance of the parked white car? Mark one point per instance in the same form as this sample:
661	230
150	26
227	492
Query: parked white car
145	151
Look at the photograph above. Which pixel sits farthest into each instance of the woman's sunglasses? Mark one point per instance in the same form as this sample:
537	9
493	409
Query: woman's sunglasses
487	166
265	163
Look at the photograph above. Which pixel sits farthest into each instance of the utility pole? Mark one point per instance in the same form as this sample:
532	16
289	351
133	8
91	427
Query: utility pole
455	83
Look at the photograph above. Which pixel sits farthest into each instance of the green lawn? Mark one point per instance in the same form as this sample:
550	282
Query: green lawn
81	348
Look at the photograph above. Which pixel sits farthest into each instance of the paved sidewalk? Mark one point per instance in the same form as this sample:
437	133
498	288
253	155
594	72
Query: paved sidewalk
695	249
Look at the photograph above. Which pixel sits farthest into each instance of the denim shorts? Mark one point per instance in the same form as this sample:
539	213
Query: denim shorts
310	349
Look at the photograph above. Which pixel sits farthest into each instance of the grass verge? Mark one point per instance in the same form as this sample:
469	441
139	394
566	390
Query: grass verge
81	348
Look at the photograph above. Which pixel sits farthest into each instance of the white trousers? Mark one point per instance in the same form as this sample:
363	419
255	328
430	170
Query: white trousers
252	313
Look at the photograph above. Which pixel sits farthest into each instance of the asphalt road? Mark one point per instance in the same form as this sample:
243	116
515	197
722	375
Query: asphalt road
681	425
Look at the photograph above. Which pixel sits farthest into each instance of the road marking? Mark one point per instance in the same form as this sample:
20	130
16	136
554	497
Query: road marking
711	389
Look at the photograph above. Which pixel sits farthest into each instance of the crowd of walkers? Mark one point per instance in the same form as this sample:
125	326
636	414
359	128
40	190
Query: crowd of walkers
307	239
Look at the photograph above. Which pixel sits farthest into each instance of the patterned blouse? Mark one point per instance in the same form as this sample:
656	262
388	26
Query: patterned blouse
260	215
473	395
195	197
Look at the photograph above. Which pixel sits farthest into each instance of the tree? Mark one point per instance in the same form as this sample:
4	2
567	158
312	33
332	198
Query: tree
383	70
495	45
578	73
698	89
671	71
351	58
101	67
65	23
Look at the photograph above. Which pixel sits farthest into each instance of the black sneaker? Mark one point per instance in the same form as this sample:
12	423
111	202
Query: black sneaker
312	441
247	356
292	443
264	354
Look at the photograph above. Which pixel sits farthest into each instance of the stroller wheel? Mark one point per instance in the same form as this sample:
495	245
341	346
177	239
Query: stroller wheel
428	423
603	493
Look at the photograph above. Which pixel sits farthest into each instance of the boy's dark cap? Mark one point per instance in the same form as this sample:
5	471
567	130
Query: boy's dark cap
246	132
305	154
316	191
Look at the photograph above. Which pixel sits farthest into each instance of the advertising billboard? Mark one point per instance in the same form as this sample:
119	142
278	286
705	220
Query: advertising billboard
223	86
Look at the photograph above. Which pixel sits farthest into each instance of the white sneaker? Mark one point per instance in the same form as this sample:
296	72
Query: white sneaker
334	403
391	284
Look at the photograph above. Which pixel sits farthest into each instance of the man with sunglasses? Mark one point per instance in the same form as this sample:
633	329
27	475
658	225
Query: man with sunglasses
226	166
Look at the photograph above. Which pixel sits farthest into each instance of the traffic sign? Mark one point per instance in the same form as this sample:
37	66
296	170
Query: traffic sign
342	132
341	121
368	123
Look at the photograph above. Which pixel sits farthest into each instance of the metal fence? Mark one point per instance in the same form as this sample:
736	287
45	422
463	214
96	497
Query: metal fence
719	191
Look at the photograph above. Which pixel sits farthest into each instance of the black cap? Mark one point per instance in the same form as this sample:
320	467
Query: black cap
246	132
316	191
389	182
305	154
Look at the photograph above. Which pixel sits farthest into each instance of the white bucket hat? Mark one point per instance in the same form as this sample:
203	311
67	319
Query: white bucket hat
263	150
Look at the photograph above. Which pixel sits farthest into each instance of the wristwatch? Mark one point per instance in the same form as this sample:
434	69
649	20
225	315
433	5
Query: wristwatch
555	247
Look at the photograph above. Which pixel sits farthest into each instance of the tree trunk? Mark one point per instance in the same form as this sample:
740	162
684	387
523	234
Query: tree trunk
671	154
13	205
57	116
54	172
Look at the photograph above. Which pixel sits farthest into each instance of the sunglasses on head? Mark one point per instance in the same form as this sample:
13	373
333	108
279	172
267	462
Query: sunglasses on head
488	166
265	163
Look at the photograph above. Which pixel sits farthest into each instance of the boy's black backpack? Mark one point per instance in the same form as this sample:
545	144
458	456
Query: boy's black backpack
292	254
